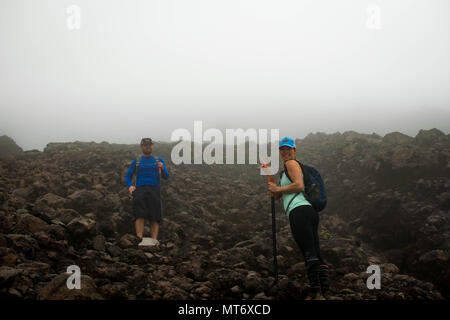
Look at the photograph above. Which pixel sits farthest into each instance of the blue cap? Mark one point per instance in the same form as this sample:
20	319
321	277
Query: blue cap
288	142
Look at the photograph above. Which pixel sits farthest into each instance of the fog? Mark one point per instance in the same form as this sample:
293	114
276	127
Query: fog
146	68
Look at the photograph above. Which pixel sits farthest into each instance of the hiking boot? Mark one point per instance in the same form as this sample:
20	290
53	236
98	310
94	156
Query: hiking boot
314	294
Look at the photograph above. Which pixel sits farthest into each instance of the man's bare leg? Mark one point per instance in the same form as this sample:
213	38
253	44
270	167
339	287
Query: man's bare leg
139	224
154	228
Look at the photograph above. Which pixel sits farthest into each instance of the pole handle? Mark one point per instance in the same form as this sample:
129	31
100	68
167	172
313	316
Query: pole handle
159	168
269	177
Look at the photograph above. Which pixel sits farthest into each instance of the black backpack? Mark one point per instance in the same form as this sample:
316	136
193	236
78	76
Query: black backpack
314	187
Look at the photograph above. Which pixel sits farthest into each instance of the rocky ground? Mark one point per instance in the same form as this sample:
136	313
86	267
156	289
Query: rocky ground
388	205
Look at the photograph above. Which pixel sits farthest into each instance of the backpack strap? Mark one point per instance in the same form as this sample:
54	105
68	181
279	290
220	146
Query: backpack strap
292	200
304	172
136	165
286	171
138	161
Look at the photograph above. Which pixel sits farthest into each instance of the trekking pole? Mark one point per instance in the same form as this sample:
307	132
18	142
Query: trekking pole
274	237
274	231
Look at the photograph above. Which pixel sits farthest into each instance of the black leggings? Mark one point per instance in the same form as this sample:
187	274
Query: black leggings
304	222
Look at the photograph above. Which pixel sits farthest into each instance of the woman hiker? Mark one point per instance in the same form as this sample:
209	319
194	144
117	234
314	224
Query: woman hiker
304	220
146	194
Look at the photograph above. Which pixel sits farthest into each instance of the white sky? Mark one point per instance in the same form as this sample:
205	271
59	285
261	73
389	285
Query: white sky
147	67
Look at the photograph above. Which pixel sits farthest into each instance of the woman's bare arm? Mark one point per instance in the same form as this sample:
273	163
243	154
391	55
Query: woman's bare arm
295	173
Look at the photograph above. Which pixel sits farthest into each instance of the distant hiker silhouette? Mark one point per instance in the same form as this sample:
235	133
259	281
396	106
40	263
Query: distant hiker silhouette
146	194
303	218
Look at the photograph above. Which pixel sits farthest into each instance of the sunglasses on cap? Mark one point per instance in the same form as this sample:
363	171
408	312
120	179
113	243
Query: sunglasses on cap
146	142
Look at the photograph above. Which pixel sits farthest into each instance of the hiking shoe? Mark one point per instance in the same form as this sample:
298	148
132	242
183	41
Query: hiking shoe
315	295
149	242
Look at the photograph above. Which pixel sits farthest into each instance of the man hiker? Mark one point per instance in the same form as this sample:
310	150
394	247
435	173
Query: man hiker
147	193
303	219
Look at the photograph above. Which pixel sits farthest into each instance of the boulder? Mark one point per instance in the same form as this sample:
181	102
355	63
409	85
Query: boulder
128	241
84	201
51	200
67	215
427	137
57	289
29	224
98	243
253	282
397	138
79	229
7	275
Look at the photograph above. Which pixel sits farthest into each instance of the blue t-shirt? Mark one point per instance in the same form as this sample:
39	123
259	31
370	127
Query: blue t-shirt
148	173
